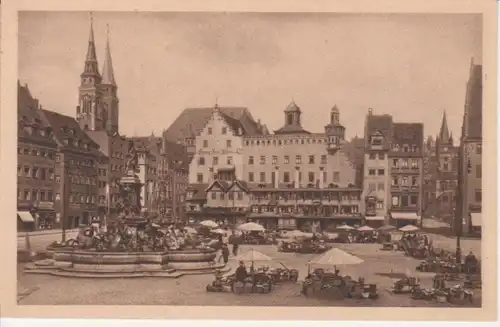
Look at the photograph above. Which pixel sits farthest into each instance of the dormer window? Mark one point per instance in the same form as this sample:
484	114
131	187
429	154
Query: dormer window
377	140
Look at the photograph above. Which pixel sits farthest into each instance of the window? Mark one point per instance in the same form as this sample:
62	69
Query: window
414	163
479	149
376	140
380	205
205	143
250	177
478	171
478	195
199	178
26	151
275	160
380	186
395	181
224	130
286	177
404	181
26	171
445	166
230	195
372	187
373	156
414	181
262	160
34	173
298	160
19	171
404	163
287	160
228	143
414	200
229	160
406	148
214	196
336	176
34	195
201	161
381	156
250	160
240	196
395	163
215	161
42	195
273	178
311	177
209	131
311	160
371	172
262	177
381	172
395	201
324	177
27	194
43	174
49	196
300	176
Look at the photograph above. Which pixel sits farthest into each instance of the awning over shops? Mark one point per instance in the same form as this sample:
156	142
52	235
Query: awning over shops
475	219
25	216
405	215
375	218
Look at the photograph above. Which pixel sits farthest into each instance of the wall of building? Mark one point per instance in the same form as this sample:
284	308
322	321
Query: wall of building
376	183
473	189
298	156
213	142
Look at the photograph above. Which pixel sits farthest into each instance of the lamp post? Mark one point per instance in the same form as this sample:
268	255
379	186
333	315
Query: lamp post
176	169
64	200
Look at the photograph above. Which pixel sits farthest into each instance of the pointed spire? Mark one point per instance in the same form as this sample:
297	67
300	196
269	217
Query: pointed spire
91	53
108	76
444	133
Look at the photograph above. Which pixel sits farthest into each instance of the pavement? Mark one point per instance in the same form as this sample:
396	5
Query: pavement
39	240
379	267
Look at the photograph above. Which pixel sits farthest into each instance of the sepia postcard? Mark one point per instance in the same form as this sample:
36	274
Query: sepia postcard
279	160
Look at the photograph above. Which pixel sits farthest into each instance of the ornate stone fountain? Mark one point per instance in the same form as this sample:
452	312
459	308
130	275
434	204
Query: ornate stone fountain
131	247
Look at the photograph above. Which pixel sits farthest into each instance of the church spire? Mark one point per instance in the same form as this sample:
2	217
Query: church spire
108	76
444	133
91	58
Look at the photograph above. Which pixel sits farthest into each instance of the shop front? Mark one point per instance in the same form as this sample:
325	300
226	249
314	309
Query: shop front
375	221
475	223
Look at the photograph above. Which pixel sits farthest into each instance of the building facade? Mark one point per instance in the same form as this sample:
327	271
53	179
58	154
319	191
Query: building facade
289	179
470	179
76	171
406	169
36	166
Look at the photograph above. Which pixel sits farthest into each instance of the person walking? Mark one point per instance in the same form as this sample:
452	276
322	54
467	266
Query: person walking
225	254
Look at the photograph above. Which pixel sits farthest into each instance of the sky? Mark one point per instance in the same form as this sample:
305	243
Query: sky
412	66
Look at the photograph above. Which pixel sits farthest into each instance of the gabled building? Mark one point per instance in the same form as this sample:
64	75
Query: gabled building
36	153
292	178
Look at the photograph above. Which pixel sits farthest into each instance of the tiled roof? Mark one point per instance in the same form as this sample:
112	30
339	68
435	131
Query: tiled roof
198	190
292	107
67	128
379	123
408	133
291	129
475	103
192	120
28	114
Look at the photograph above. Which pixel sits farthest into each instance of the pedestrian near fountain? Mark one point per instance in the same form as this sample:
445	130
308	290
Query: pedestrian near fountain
225	254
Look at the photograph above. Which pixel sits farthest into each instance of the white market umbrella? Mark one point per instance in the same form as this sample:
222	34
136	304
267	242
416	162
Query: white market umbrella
190	230
295	233
251	227
387	228
218	231
308	235
335	257
365	229
209	223
409	228
252	256
345	227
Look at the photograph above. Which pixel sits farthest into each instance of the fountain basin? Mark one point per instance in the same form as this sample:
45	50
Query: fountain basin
90	263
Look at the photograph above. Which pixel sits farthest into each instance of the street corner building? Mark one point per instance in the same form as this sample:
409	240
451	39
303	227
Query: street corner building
289	179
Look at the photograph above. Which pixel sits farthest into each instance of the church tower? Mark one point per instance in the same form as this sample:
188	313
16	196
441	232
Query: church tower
334	131
88	112
109	92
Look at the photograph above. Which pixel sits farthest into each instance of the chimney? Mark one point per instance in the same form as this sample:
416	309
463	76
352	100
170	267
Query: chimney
370	111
